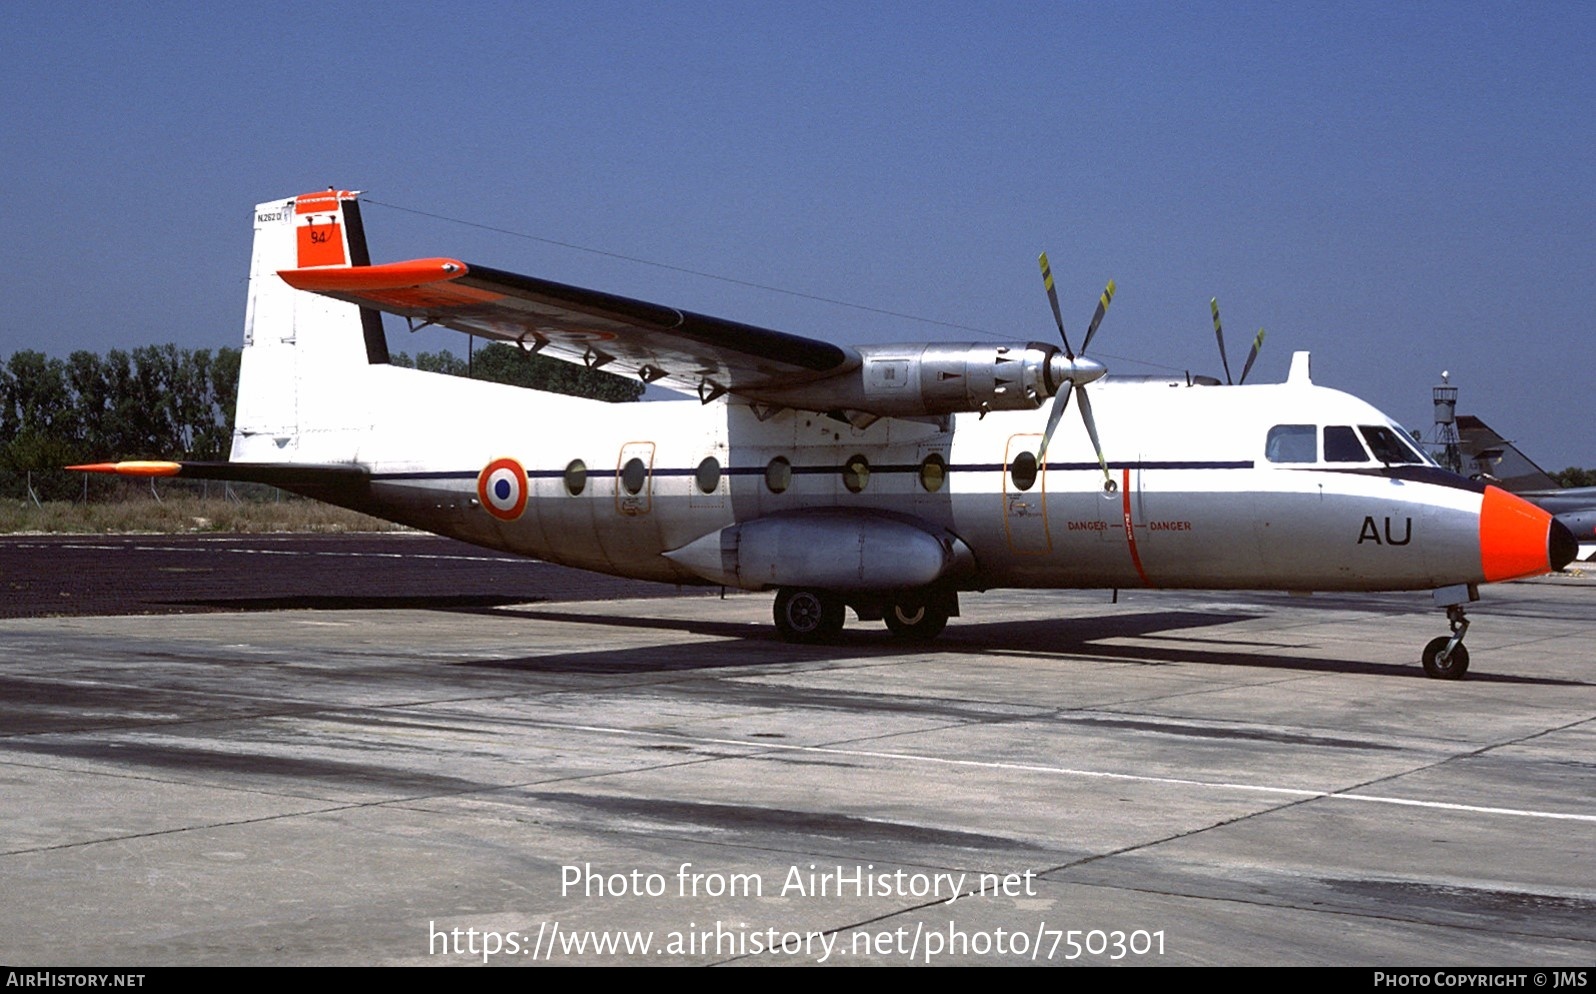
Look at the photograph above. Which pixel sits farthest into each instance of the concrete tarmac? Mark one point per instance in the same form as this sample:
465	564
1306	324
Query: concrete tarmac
1178	778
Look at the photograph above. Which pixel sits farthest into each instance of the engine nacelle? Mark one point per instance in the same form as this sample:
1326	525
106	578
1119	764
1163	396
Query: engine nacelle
935	379
952	378
831	549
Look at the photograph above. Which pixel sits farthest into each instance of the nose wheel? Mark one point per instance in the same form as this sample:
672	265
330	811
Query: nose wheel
1445	657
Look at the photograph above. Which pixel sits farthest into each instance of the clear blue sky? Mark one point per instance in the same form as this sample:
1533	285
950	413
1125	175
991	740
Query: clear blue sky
1398	187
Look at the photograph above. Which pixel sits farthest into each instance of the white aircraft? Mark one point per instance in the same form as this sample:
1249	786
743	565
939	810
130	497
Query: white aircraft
882	478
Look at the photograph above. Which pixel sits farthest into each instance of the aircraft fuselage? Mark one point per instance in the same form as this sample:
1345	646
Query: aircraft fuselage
1200	504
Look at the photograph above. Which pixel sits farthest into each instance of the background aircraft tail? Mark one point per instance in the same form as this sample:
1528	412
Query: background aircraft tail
1486	451
300	388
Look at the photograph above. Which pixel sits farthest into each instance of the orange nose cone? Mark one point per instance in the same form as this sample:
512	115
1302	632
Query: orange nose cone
1519	539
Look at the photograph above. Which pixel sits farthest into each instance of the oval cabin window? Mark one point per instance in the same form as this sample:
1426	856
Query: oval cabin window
1023	471
633	475
778	475
707	476
576	477
856	474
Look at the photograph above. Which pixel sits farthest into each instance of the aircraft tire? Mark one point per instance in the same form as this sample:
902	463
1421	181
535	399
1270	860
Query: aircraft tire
918	621
805	615
1455	666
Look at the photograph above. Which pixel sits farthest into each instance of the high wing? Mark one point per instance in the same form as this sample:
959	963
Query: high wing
692	352
703	355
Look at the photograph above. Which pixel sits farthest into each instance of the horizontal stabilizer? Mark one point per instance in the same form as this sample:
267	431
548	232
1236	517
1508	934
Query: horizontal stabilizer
289	476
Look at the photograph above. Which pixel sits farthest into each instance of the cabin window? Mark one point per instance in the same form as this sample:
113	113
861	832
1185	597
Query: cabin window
576	477
633	475
933	473
1023	471
1341	445
707	476
856	473
1292	443
778	475
1389	446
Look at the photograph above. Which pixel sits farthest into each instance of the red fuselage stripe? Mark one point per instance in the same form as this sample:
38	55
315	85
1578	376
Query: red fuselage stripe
1130	530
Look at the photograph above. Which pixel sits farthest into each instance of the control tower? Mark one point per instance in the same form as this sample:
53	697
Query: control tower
1444	445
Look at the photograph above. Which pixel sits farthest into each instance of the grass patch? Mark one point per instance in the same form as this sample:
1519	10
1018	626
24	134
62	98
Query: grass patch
180	513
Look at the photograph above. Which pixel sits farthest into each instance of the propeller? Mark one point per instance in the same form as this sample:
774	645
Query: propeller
1073	371
1219	333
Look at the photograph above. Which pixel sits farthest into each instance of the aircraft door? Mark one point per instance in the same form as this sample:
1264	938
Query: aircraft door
634	479
1025	497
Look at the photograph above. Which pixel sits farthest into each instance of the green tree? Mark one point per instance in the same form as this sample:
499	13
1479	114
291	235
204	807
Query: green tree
39	423
500	363
163	402
1573	476
35	397
213	436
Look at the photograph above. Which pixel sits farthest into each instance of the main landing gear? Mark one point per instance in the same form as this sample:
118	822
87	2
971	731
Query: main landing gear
807	615
918	619
1445	657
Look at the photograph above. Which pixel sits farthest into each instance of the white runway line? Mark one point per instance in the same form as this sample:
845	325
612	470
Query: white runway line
1292	792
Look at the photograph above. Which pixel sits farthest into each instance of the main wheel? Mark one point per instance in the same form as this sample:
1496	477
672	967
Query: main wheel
1455	666
805	615
915	620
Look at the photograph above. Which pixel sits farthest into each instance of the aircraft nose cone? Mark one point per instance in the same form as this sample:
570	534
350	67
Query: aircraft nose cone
1519	539
1561	546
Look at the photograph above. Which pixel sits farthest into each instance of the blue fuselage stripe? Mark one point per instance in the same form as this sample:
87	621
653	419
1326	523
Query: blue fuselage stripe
993	467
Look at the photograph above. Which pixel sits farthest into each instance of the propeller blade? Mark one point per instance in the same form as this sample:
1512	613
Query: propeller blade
1091	430
1061	400
1097	319
1219	333
1252	357
1052	298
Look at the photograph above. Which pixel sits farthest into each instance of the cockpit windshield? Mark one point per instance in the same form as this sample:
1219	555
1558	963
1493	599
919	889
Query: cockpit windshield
1389	446
1341	445
1289	443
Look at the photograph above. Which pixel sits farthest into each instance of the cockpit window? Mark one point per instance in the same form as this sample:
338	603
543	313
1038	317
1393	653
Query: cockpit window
1389	446
1341	445
1292	443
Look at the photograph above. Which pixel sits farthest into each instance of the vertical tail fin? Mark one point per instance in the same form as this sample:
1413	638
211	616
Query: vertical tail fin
298	396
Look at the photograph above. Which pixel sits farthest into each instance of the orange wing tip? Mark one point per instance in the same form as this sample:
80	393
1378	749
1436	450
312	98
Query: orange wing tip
389	276
131	468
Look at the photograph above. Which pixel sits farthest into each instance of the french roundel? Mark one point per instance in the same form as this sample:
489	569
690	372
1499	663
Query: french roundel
502	487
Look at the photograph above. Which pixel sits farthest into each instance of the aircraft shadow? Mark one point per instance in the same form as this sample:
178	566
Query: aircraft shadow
340	602
1039	639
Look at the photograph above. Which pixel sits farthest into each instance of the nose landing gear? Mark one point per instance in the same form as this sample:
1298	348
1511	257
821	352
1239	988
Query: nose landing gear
1445	657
